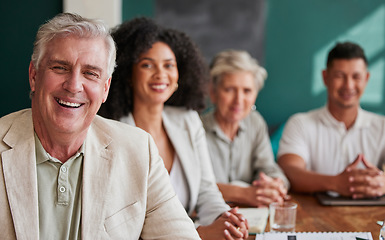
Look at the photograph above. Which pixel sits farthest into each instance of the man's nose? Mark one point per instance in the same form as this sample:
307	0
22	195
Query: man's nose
73	83
349	82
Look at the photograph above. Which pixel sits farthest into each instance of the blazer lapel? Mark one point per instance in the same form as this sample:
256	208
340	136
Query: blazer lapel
182	142
19	167
97	167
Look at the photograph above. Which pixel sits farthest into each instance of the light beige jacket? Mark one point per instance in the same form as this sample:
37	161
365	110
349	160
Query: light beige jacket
126	193
186	133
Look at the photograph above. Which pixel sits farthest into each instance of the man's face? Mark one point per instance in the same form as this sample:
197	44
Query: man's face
345	81
70	85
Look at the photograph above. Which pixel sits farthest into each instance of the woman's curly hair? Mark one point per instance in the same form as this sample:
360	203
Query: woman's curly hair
137	36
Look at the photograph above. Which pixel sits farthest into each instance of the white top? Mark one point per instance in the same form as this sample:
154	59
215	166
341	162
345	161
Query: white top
325	144
186	133
179	182
177	177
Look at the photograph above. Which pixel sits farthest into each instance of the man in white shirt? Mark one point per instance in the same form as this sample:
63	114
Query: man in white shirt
339	147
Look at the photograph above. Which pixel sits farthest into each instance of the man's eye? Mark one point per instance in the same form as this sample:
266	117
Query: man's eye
338	75
91	74
58	68
357	77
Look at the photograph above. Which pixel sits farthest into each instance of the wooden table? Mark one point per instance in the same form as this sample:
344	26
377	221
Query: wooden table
313	217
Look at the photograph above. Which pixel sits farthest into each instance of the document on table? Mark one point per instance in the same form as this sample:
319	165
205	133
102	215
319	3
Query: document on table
256	217
315	236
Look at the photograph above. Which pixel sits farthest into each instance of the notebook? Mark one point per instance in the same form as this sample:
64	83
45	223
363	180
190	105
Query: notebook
256	217
333	199
315	236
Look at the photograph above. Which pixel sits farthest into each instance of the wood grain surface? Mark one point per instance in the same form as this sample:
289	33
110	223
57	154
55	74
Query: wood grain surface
313	217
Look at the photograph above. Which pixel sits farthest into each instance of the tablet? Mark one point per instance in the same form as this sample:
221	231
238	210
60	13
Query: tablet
333	199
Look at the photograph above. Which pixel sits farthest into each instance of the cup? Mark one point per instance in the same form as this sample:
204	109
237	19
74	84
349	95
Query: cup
282	216
382	231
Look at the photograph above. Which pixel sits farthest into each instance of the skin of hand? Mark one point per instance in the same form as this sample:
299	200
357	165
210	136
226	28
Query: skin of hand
269	190
360	183
230	226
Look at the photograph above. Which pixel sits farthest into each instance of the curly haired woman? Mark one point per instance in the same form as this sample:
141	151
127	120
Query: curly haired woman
158	85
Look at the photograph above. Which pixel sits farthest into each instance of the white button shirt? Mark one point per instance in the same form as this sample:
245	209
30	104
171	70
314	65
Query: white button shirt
325	144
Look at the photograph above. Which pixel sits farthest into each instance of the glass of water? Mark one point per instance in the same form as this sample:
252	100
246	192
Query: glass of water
382	232
282	216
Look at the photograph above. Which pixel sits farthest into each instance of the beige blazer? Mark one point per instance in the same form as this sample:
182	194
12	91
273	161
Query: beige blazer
126	193
187	135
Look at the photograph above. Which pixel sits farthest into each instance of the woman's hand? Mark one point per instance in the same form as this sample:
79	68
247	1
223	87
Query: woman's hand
230	225
268	190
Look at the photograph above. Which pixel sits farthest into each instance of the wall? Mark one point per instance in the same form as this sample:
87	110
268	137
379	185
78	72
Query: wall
297	36
19	22
291	39
216	25
134	8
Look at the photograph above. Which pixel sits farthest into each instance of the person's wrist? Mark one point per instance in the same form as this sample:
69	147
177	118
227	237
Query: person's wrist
240	193
333	187
202	232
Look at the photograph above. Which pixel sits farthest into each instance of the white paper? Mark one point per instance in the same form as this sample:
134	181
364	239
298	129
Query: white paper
315	236
256	217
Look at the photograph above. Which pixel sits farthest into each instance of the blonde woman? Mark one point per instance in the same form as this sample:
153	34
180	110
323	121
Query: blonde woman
237	135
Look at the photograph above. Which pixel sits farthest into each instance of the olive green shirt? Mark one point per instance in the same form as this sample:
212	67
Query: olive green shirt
59	193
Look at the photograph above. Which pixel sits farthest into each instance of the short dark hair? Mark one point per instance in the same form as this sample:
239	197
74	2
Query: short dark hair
346	50
137	36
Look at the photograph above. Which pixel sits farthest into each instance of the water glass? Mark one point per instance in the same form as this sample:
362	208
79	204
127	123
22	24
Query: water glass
282	216
382	232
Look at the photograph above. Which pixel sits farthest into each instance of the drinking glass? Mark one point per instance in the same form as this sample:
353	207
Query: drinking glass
282	216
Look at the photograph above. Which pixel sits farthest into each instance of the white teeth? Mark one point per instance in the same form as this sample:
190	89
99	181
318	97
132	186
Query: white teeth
159	86
69	104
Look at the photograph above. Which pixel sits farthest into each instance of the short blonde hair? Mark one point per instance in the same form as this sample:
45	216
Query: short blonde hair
230	61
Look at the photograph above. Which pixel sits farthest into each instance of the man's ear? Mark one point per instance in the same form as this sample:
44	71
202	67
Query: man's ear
367	77
106	89
32	76
325	76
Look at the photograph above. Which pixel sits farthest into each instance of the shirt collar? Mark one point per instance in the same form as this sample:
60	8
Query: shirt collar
362	121
213	126
43	156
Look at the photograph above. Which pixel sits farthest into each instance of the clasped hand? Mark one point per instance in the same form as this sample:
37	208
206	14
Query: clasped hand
268	190
231	225
361	183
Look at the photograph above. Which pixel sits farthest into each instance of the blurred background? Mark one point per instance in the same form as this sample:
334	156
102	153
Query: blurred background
290	39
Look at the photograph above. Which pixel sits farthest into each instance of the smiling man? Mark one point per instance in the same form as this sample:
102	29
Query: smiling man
339	147
69	174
